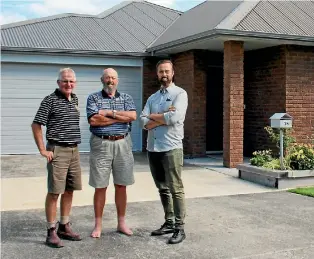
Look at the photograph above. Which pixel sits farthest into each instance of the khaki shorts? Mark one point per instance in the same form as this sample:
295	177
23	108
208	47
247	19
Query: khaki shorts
108	156
64	171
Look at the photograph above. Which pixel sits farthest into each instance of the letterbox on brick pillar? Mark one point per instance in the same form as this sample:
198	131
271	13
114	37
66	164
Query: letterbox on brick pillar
281	121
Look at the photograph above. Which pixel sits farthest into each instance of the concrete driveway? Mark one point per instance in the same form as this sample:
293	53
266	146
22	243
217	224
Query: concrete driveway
26	175
226	217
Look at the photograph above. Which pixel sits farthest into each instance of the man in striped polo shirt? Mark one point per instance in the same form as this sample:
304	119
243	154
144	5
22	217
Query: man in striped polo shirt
109	114
60	114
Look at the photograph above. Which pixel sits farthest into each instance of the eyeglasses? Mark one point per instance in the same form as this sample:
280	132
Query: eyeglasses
67	81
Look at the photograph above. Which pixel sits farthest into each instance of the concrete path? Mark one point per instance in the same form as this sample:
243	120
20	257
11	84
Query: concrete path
23	183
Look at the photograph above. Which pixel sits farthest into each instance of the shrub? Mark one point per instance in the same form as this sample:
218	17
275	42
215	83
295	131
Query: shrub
301	157
274	136
274	164
261	157
297	156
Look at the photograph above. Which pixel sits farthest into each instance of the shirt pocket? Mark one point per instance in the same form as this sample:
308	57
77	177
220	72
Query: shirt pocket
166	104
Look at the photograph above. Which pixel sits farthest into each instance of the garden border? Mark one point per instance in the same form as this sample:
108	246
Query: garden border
279	179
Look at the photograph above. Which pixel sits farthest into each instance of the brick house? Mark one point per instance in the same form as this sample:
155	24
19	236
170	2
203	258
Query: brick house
240	63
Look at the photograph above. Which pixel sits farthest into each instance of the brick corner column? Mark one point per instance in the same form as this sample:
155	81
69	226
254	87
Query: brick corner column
190	76
233	108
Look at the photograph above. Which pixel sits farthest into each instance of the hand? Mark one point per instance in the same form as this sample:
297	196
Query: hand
104	112
47	154
171	108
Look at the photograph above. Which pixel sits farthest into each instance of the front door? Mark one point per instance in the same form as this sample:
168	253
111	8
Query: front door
214	109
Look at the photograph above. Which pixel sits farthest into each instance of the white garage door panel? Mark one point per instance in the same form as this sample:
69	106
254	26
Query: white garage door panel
25	85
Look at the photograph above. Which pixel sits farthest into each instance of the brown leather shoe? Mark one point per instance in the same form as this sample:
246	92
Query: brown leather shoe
52	239
65	232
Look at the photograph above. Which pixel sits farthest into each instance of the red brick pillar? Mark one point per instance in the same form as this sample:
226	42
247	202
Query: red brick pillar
233	103
190	76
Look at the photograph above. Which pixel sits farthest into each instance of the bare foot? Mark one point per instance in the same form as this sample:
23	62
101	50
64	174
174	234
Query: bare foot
96	233
124	229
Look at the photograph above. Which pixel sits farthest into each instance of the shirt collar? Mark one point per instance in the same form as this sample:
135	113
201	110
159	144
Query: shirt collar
105	95
167	89
60	94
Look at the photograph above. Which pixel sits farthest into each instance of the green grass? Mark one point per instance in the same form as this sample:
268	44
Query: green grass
307	191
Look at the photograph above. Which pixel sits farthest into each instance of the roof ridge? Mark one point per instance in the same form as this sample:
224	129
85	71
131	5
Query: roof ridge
43	19
164	7
126	3
113	9
237	15
150	44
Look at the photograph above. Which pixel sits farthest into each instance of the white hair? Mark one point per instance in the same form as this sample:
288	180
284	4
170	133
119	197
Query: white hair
64	70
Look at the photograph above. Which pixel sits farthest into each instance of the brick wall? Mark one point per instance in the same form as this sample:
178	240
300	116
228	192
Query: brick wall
186	78
191	74
300	90
233	103
264	84
278	79
150	86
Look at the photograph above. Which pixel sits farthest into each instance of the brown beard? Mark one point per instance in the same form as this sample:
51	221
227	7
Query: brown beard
162	82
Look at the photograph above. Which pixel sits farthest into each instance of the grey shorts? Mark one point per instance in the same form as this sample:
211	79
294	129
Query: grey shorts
108	156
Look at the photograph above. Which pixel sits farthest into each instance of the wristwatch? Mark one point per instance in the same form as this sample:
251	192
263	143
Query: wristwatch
114	113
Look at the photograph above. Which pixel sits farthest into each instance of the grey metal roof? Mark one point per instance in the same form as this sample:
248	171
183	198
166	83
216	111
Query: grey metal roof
293	18
201	18
282	17
127	28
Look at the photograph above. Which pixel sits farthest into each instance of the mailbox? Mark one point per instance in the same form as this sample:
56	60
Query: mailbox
281	121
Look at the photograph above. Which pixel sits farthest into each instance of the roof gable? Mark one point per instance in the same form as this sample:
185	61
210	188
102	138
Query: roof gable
275	17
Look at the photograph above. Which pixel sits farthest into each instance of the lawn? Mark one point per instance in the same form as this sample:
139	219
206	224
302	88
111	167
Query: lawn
308	191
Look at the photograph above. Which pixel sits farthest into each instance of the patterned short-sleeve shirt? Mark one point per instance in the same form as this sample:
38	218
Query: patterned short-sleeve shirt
61	117
102	101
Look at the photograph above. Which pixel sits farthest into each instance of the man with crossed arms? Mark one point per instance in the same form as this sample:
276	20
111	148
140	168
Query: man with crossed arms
109	114
163	117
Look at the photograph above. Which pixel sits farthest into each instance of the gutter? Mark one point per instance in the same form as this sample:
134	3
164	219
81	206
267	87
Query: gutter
73	51
235	33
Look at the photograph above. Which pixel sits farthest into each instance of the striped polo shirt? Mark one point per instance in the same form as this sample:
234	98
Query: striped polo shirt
102	101
61	118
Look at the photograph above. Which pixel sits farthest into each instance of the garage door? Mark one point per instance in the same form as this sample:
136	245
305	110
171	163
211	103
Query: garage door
25	85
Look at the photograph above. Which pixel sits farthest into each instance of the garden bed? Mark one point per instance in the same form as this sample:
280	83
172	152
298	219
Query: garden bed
280	179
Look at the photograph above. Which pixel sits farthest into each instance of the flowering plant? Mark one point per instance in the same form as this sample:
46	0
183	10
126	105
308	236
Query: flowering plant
261	157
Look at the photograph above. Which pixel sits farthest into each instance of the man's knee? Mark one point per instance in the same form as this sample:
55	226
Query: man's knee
100	190
120	188
68	193
53	196
176	188
164	191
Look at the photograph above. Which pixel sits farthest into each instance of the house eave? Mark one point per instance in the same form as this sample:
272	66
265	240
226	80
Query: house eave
294	39
72	51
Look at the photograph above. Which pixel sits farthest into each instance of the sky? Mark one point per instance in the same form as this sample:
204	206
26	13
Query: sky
15	11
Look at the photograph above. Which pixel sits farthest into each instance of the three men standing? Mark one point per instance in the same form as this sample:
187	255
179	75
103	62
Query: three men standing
109	114
59	113
163	116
